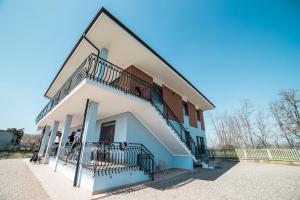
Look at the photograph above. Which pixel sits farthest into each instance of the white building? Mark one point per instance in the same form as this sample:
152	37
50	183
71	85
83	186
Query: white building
137	114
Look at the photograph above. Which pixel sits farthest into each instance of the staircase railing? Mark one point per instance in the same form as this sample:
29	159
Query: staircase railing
102	71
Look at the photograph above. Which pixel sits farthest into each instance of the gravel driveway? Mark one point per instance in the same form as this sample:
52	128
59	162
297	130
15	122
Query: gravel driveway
18	182
234	181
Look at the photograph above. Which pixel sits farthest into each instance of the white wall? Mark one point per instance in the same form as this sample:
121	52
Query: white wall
194	131
120	129
130	129
137	133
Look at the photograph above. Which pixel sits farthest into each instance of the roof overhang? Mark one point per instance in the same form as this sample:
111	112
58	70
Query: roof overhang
125	49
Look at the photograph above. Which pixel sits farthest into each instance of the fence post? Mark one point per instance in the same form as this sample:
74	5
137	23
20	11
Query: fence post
245	153
269	154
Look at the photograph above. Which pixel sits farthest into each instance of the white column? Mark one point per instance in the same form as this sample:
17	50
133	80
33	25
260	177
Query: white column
44	140
51	141
102	54
88	135
63	138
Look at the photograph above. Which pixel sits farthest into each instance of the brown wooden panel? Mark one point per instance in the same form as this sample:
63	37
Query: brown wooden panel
174	101
139	73
130	83
192	114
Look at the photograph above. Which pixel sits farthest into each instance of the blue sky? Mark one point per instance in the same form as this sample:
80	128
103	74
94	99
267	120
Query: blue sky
230	50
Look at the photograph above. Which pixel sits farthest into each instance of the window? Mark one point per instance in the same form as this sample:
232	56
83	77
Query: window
138	91
185	108
107	133
158	90
198	115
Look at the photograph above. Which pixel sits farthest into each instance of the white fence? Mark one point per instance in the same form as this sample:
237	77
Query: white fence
268	154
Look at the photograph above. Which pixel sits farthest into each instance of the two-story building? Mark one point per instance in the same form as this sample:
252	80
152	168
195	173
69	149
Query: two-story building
134	111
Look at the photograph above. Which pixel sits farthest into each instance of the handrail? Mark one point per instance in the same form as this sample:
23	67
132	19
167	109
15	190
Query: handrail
100	70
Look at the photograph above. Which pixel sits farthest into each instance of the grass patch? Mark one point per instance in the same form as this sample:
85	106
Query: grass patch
15	155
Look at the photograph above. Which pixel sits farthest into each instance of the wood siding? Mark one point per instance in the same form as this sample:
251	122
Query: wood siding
139	73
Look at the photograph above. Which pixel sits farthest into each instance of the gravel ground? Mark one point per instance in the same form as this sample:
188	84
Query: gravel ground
18	182
232	181
238	181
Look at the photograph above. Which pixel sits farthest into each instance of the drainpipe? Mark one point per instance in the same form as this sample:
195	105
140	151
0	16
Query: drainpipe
79	155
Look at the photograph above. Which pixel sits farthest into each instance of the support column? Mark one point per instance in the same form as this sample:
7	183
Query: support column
44	140
102	54
63	138
87	136
51	141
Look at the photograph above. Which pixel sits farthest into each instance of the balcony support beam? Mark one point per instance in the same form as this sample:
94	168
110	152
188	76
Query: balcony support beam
45	140
51	141
63	138
91	43
88	135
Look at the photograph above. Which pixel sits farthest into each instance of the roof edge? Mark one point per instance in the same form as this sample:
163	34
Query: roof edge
103	10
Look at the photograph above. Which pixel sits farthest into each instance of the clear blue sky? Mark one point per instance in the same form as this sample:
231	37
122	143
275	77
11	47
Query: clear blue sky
230	50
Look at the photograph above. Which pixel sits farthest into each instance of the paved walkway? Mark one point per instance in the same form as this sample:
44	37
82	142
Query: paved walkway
57	185
231	181
18	183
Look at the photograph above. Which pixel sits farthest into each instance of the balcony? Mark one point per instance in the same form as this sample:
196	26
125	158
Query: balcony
104	72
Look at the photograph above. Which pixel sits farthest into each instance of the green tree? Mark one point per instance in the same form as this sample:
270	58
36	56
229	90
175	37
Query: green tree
18	133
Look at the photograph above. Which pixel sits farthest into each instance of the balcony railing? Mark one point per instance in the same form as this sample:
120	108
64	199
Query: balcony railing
106	158
106	73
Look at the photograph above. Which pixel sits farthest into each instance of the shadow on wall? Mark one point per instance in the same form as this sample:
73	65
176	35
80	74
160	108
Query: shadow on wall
221	168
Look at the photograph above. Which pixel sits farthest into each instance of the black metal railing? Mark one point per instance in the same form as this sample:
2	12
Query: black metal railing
102	71
105	158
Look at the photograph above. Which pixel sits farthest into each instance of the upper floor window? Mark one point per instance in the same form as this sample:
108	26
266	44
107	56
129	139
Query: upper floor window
185	108
158	89
198	115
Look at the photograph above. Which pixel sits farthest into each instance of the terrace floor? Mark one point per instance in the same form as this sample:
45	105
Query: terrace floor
230	180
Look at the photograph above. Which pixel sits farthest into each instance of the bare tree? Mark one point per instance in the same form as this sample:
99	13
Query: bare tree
222	131
245	115
262	127
245	129
285	111
275	110
289	107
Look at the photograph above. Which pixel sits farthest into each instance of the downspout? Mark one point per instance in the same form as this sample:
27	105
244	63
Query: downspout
79	155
